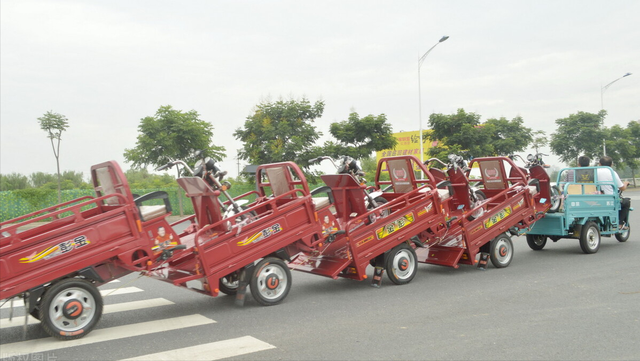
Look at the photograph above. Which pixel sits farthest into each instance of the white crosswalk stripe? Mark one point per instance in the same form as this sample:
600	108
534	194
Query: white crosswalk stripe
105	334
210	351
104	293
116	307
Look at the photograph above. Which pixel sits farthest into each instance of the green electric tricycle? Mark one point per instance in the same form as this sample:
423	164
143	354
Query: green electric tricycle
590	210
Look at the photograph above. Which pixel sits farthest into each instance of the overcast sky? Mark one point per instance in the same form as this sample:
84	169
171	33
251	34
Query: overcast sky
107	64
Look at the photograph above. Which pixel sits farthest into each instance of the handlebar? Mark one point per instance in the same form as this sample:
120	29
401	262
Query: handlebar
175	162
426	162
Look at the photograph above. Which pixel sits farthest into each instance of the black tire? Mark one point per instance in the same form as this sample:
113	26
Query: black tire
70	309
229	284
35	313
624	235
479	196
271	281
536	241
556	200
590	238
501	251
380	201
402	264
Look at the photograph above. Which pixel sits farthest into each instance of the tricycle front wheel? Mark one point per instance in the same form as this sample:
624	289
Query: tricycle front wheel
624	235
229	284
590	238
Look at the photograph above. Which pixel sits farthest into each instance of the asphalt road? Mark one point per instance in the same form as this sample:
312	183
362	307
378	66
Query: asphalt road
554	304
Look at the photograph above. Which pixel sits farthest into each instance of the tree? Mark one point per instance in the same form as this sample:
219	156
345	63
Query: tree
143	179
54	124
623	146
539	140
508	136
39	179
281	131
463	133
359	137
578	134
169	135
13	181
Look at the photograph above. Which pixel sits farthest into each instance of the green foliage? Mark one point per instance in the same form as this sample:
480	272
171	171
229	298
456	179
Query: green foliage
623	145
39	179
34	196
369	165
359	137
142	179
13	181
172	134
462	133
578	134
54	124
281	131
508	136
539	140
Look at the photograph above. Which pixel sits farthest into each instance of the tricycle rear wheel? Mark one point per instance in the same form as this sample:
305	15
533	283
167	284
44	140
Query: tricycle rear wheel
590	237
536	241
401	264
501	251
70	309
271	281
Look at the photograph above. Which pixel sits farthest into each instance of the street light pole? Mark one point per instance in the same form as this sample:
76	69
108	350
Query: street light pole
420	61
602	89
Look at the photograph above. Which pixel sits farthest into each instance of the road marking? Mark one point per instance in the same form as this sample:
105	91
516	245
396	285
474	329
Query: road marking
210	351
104	293
105	334
116	307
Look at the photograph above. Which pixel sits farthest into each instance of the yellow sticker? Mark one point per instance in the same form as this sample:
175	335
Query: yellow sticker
496	218
395	226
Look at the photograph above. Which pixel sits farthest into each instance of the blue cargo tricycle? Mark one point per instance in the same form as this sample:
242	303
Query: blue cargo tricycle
586	213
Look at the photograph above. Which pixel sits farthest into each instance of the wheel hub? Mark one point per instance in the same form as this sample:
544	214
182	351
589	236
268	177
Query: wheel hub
503	251
403	264
272	281
72	309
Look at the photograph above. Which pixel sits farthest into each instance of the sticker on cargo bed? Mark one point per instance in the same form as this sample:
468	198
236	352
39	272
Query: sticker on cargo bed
425	210
395	226
360	243
259	236
493	220
519	204
57	250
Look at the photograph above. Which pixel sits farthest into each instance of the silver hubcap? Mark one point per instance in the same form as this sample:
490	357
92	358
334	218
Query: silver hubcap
272	281
72	309
503	251
403	264
592	238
